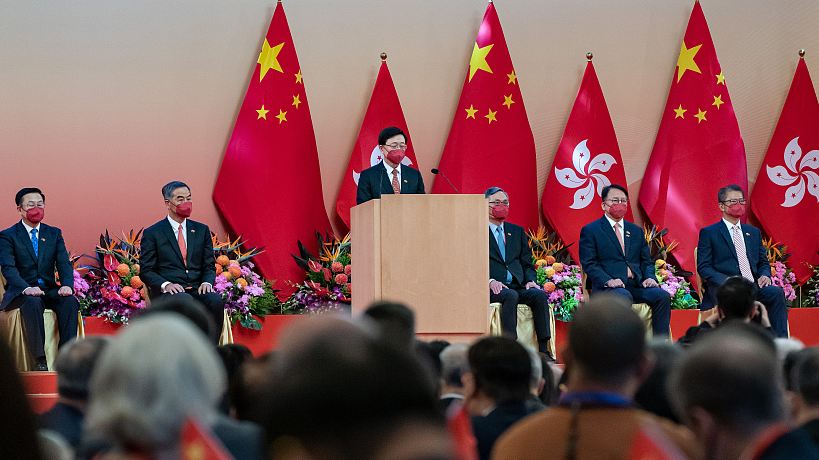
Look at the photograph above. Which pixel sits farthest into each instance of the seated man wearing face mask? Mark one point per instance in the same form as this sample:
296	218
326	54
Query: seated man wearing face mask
513	277
176	255
730	248
389	176
615	257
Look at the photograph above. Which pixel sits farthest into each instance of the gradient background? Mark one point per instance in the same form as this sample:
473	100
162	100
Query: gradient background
104	101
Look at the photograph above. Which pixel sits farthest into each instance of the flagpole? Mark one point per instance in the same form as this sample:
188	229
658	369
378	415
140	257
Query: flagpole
589	56
383	57
802	54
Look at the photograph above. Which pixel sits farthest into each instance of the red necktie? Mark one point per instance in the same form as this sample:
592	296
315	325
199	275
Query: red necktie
622	246
396	187
183	248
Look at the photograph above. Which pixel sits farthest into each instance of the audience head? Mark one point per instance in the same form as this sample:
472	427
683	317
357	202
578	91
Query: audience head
189	308
803	381
430	354
19	434
735	298
549	394
379	397
536	381
653	395
607	344
501	370
454	364
158	372
727	386
74	364
395	320
233	356
248	387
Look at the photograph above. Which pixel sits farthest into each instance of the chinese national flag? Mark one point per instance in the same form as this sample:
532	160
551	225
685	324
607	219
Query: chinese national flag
698	148
649	444
490	142
587	160
197	443
786	194
384	111
269	185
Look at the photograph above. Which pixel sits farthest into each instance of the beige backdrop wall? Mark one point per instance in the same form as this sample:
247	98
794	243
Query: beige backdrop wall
102	102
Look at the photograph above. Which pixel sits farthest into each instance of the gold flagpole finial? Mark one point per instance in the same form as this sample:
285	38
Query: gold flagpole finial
490	1
802	54
279	1
589	56
383	57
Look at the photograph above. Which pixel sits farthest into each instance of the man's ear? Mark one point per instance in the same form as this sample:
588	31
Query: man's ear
705	428
468	381
644	367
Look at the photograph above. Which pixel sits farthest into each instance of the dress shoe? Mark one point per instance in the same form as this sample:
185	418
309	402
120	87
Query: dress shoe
41	364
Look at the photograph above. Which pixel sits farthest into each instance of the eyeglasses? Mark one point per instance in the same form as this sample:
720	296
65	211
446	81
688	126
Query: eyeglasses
617	201
733	202
396	145
499	203
28	206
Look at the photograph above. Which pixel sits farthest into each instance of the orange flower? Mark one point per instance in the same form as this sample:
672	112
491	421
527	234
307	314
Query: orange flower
550	260
242	282
136	283
341	278
127	291
662	272
218	269
226	275
557	266
222	260
337	267
235	271
233	262
123	270
135	269
549	286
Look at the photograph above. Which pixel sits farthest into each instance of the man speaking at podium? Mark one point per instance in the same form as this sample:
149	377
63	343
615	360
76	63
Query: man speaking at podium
389	176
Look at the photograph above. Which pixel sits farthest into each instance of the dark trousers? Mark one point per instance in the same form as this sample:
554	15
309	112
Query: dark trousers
773	297
31	310
536	299
656	298
213	303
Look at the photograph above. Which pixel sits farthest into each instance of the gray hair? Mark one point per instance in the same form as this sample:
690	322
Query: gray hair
74	364
454	363
167	190
493	190
722	194
158	372
537	367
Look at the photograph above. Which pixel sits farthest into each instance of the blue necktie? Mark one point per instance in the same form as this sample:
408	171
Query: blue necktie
34	240
502	247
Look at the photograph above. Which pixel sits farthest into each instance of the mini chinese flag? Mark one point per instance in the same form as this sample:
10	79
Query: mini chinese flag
459	426
698	149
197	443
650	444
384	111
587	159
786	194
269	185
490	142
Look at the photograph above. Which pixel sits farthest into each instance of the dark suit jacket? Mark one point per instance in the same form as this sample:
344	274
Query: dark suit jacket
368	182
160	259
488	428
717	258
66	420
790	446
518	257
603	259
22	269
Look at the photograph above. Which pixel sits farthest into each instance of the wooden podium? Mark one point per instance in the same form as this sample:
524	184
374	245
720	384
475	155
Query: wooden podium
430	252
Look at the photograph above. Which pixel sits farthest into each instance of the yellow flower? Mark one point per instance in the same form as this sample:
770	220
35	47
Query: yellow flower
550	272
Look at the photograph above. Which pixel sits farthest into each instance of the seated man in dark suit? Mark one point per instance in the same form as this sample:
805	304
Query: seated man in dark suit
30	252
615	256
177	255
729	248
512	273
389	176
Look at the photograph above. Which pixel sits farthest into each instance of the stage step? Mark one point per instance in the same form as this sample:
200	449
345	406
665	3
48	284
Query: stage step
41	403
41	388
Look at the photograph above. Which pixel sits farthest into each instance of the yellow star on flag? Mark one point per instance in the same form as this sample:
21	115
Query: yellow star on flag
262	113
680	111
508	102
298	77
269	59
195	451
513	79
686	60
281	116
478	60
700	116
720	78
491	116
470	112
718	101
296	101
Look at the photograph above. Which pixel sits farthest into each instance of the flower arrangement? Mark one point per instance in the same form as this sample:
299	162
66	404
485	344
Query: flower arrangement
812	299
327	286
81	286
563	283
676	286
545	244
115	290
781	275
245	292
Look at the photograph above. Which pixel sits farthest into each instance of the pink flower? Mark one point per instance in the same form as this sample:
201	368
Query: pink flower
314	266
341	279
337	267
327	274
348	269
110	262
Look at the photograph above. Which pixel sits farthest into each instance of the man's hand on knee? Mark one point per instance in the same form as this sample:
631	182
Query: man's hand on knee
174	288
205	288
34	291
496	286
65	291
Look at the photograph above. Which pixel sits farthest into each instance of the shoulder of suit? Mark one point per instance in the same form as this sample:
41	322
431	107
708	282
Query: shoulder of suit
195	224
509	227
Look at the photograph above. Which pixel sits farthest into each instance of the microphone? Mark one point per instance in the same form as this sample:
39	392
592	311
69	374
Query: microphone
380	179
435	171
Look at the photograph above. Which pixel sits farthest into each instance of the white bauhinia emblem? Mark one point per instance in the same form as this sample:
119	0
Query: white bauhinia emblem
582	176
376	158
798	179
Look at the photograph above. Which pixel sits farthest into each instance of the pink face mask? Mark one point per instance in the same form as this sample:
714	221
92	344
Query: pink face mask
35	214
184	209
736	210
396	156
617	211
500	211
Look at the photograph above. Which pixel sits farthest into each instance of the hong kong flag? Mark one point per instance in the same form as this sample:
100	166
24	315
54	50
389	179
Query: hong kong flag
698	149
587	159
384	111
269	185
786	195
490	142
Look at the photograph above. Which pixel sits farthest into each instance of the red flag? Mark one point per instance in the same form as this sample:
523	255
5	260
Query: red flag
786	195
269	185
490	142
698	148
384	111
587	159
459	426
650	443
197	443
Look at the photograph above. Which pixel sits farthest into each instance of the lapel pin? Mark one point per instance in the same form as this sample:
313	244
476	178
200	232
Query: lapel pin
42	239
405	180
193	231
747	234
